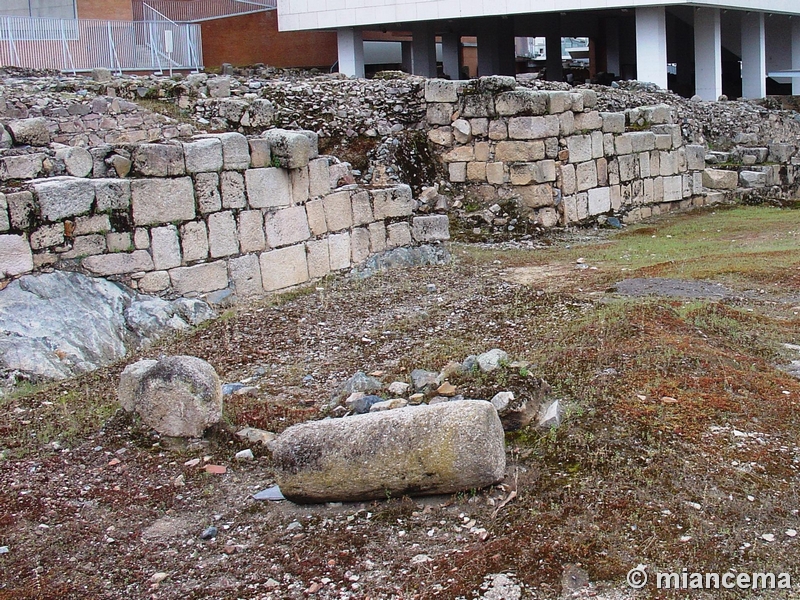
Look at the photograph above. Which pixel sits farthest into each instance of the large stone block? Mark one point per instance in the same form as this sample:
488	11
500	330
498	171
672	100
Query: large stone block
377	236
235	150
202	278
260	154
159	160
78	161
47	236
231	184
519	151
251	231
586	175
580	148
194	241
245	274
439	449
568	179
203	155
673	187
362	209
533	128
718	179
206	189
441	90
268	188
439	113
64	197
599	201
628	167
24	166
165	247
477	105
157	201
16	257
222	237
284	267
521	102
5	223
537	172
286	226
318	257
696	157
339	251
119	263
30	132
432	228
112	194
460	154
394	202
588	121
613	122
534	196
319	177
292	149
315	212
359	245
558	102
338	211
642	141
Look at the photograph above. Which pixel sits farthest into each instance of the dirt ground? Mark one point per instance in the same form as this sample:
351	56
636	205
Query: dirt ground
679	446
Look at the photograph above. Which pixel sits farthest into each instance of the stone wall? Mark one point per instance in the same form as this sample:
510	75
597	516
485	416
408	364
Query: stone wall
563	162
217	213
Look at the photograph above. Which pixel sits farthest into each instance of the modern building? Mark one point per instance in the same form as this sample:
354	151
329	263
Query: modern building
704	47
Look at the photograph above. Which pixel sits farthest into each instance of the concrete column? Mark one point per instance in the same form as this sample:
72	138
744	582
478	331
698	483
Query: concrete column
651	45
405	53
423	49
612	46
351	51
488	50
451	49
796	54
553	64
707	53
754	56
506	50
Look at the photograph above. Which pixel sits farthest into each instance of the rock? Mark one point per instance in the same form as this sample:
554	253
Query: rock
517	413
550	415
101	75
271	493
78	161
178	396
361	403
438	449
392	404
398	388
245	455
256	436
502	400
718	179
229	388
360	382
491	360
291	149
424	380
446	389
30	132
500	587
44	313
416	398
209	533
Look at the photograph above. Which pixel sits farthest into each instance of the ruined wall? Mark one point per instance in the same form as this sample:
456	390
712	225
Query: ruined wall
216	213
563	162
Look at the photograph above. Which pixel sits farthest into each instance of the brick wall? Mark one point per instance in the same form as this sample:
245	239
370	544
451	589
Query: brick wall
107	10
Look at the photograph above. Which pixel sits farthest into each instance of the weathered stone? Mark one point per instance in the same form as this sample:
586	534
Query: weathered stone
338	211
159	160
339	251
318	258
24	166
46	236
153	282
245	273
362	209
377	236
119	242
64	197
235	150
30	132
298	181
101	75
457	172
5	223
534	196
398	234
696	157
438	449
588	121
78	161
441	90
206	190
202	278
359	245
178	396
232	189
532	128
599	201
112	194
291	149
441	136
222	238
752	179
284	267
16	257
6	140
718	179
395	202
462	131
492	360
318	177
165	247
477	105
121	165
119	263
521	102
287	226
580	148
219	87
439	113
251	231
194	241
268	188
586	175
157	201
495	173
260	154
203	155
780	153
520	151
558	102
432	228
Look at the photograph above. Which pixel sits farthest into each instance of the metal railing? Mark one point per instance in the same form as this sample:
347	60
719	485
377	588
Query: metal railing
195	11
84	44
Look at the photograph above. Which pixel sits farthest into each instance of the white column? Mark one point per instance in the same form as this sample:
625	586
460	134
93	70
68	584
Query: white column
351	51
451	43
651	45
423	50
754	56
796	54
612	46
707	53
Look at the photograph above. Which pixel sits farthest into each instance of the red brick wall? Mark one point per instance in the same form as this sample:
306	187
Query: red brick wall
109	10
250	39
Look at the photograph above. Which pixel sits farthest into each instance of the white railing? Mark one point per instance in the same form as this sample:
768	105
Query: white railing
83	45
195	11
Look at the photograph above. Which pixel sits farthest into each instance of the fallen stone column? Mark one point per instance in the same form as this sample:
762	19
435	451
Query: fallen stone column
439	449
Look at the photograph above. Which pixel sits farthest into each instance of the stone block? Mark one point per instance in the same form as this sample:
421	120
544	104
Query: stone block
231	184
394	202
154	282
398	234
602	172
359	245
457	172
86	245
533	128
442	90
291	149
222	236
245	275
718	179
377	236
251	231
24	166
157	201
219	87
63	197
480	126
482	151
495	173
780	153
628	167
298	180
159	160
462	131
287	226
568	179
521	102
268	188
476	171
668	162
206	190
94	224
589	98
588	121
340	251
47	236
642	141
165	247
477	105
194	241
29	132
112	194
663	142
580	148
319	177
598	150
558	102
576	102
78	161
566	121
202	278
315	213
747	179
624	145
441	136
534	196
235	150
431	228
655	163
362	209
16	257
260	154
613	122
338	211
141	238
498	130
460	154
599	200
119	242
616	196
538	172
547	217
285	267
673	188
119	263
5	223
520	151
439	113
318	258
203	155
586	175
643	160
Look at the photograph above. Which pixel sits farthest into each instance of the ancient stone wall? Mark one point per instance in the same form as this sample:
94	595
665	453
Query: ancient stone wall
216	213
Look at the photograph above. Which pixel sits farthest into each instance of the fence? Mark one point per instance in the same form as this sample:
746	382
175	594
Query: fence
194	11
85	44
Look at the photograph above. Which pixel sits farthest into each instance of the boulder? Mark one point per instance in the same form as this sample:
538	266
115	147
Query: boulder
30	132
178	396
290	149
718	179
440	449
517	411
491	360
